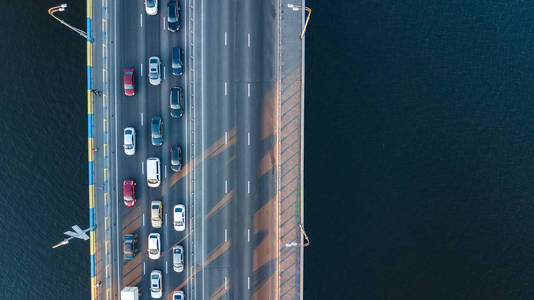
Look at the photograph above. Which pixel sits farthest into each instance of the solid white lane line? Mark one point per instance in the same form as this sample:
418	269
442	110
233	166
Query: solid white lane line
166	267
248	186
141	119
165	172
225	88
248	282
143	167
144	268
225	282
225	235
163	23
226	137
248	235
249	40
248	138
141	70
225	38
248	87
226	186
141	17
143	219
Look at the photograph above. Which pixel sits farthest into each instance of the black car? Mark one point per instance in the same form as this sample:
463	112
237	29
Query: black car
176	159
177	64
174	16
129	246
176	108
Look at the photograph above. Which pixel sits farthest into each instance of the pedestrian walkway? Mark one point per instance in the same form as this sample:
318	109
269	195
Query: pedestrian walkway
290	151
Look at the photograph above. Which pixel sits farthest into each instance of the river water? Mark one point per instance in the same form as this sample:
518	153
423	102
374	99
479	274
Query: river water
419	175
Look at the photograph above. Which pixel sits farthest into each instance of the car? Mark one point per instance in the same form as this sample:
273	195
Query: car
153	177
129	141
157	131
155	214
129	248
154	250
175	103
179	217
178	295
129	82
177	63
154	70
128	192
156	288
173	20
176	159
178	258
151	7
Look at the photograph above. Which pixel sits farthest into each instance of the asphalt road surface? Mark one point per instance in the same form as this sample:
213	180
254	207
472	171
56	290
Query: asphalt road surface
227	138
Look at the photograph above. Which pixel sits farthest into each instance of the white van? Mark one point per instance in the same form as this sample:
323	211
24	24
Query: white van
152	172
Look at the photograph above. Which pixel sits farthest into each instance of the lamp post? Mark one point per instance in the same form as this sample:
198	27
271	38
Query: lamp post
62	7
79	234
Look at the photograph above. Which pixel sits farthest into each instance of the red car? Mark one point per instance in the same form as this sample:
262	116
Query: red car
128	192
129	82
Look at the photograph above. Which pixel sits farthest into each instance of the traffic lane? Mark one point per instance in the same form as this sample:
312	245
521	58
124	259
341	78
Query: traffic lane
125	112
127	116
130	53
220	121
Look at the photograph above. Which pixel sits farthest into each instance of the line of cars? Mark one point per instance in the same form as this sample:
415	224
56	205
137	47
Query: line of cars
153	164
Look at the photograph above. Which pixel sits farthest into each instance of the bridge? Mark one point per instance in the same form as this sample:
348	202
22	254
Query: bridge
242	137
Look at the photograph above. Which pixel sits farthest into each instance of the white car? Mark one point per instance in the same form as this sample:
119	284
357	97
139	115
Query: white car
151	7
155	214
156	288
179	217
178	295
178	258
129	141
154	70
154	251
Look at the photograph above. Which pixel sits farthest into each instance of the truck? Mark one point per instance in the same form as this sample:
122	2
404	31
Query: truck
130	293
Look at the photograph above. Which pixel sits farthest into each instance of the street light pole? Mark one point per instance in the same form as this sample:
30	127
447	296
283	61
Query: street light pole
62	7
78	234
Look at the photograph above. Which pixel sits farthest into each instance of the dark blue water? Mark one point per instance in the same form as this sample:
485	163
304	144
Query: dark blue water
43	152
419	151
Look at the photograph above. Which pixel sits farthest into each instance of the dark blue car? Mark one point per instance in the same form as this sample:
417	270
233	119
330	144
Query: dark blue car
157	128
177	64
129	246
174	16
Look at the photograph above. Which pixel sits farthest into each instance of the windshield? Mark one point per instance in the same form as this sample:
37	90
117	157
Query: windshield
150	3
128	198
128	248
128	86
172	13
153	251
152	181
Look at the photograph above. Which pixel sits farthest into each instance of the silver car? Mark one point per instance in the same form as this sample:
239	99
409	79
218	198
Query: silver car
129	141
156	288
154	70
178	295
178	258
